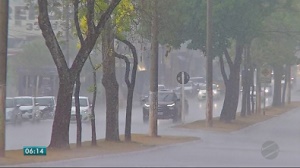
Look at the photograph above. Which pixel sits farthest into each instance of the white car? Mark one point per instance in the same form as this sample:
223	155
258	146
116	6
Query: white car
85	110
9	106
202	92
12	111
29	107
161	87
47	103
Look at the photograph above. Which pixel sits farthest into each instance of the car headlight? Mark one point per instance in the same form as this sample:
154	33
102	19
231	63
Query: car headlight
171	105
214	92
267	90
147	105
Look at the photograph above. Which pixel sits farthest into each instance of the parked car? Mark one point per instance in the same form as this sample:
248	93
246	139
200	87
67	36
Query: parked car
12	111
169	106
47	106
85	110
29	108
202	92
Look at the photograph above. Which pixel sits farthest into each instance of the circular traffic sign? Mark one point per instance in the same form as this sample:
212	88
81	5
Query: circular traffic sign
266	72
185	75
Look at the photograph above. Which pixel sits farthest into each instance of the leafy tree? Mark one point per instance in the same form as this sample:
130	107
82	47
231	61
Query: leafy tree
236	23
67	76
278	45
121	23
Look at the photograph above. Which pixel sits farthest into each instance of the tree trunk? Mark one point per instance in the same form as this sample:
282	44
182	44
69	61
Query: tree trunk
231	99
130	85
111	86
289	84
277	85
93	117
61	122
245	91
258	90
252	89
77	108
248	80
232	87
67	76
209	67
284	85
3	70
154	73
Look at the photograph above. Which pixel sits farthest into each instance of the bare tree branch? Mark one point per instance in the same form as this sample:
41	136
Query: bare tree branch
91	62
238	53
129	44
123	57
90	16
134	54
91	39
223	72
106	15
47	32
227	56
76	22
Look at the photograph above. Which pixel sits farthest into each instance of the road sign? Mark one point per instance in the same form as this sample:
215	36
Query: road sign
266	75
266	72
183	77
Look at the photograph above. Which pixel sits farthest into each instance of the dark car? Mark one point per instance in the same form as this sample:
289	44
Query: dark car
169	106
145	93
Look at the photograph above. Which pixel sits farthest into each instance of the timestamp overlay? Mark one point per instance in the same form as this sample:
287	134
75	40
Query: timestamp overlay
35	150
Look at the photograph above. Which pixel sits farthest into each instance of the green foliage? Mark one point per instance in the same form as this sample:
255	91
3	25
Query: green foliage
91	88
279	42
122	15
181	21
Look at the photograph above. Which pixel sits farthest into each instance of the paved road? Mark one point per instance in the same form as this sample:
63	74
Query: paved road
240	148
39	134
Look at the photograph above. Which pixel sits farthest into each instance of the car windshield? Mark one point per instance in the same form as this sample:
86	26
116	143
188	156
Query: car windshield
45	101
82	101
9	103
24	101
165	97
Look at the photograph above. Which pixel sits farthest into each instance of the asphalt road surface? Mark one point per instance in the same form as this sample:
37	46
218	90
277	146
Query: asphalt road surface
29	134
240	148
38	134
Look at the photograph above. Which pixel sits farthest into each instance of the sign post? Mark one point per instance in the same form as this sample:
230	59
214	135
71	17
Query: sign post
266	79
182	99
183	78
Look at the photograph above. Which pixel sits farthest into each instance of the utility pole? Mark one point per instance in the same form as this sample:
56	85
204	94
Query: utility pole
209	99
258	89
3	70
289	83
154	73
